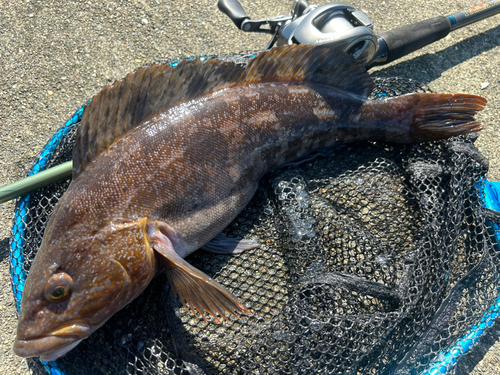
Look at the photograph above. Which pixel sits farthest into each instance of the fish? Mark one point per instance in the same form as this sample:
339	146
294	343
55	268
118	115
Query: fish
166	158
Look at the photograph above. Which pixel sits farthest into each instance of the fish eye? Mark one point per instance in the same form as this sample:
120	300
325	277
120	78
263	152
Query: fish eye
58	287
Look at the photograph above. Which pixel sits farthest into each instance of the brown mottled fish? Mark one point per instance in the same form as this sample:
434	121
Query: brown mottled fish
165	159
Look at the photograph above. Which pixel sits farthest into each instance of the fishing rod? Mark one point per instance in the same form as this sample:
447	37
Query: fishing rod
345	28
337	25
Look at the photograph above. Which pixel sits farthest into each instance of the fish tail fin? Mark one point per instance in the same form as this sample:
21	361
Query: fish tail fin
441	116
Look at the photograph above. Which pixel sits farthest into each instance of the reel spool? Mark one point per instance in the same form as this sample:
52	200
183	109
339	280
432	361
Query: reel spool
339	26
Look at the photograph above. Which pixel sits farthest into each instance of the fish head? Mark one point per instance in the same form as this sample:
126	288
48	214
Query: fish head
78	280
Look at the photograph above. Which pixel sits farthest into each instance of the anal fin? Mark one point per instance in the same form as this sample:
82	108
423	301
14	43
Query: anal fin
196	290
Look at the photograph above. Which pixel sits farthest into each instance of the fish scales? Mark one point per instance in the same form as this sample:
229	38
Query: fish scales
165	159
213	151
225	135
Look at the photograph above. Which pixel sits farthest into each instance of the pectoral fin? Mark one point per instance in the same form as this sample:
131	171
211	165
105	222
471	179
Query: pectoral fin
194	288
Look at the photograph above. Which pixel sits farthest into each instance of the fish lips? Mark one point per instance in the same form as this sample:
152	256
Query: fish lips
54	344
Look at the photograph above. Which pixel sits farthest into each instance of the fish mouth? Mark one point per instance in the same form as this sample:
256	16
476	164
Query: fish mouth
54	344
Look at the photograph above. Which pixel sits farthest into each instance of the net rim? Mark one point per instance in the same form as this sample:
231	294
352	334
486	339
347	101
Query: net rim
441	365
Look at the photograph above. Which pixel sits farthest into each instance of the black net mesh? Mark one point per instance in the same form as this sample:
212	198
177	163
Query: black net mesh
374	258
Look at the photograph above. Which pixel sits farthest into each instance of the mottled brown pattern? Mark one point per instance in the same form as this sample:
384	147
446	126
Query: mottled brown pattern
195	166
120	107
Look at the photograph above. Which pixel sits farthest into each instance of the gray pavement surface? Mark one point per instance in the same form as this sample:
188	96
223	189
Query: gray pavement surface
56	54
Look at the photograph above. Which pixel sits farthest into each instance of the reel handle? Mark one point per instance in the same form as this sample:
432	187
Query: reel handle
234	10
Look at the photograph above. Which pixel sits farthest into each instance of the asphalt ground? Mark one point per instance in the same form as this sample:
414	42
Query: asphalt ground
55	55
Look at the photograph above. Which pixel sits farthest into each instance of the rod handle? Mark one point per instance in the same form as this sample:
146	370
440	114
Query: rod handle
407	39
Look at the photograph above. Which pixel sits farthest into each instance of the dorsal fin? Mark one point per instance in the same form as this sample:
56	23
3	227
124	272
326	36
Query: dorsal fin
124	105
121	107
310	64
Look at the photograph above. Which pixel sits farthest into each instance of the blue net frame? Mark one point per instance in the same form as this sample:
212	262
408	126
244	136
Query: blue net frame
444	362
17	243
